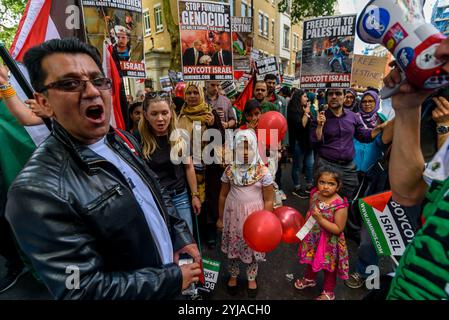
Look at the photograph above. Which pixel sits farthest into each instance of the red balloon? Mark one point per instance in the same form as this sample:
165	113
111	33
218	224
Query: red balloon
291	221
271	120
262	231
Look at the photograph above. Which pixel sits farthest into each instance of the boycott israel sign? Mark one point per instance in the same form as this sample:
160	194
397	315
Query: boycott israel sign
387	223
211	269
206	42
328	45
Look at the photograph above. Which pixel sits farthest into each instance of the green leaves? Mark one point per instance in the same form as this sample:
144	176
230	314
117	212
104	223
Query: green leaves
307	8
10	14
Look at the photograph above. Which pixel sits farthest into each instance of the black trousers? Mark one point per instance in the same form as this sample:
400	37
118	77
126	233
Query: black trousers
8	247
209	209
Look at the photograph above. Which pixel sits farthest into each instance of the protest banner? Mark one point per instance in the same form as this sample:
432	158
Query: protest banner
118	24
387	223
328	45
287	81
166	83
175	77
267	66
206	43
242	43
368	71
229	88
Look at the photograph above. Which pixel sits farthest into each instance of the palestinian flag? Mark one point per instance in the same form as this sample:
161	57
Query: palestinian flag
387	223
17	146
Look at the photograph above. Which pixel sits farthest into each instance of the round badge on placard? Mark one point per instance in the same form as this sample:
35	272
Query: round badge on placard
375	21
405	57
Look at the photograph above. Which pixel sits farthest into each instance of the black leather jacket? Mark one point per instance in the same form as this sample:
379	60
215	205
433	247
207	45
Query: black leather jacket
70	207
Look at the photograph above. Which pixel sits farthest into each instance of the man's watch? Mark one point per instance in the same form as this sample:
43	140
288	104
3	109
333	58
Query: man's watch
443	129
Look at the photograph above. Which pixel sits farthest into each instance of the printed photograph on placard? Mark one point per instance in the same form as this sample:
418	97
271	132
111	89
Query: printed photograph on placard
206	42
120	29
328	46
242	43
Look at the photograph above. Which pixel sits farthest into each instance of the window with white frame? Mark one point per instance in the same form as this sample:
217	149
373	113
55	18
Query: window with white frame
266	23
146	21
244	11
261	23
286	37
295	41
158	18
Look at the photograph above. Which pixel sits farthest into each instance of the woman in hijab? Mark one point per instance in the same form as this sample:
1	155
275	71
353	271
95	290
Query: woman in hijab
196	111
366	154
350	102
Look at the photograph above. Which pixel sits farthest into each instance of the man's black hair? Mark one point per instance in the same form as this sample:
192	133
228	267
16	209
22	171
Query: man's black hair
286	91
251	105
34	56
334	89
270	76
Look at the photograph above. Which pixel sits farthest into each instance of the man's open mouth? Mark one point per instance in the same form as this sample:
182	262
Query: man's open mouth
94	112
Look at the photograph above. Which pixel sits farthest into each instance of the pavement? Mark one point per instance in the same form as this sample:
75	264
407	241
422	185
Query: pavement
275	279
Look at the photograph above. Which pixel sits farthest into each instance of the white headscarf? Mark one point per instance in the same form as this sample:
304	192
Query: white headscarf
246	174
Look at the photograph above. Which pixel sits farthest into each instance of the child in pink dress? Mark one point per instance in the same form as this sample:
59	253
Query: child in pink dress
324	247
247	186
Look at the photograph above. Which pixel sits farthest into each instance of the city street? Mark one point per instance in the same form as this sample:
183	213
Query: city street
275	280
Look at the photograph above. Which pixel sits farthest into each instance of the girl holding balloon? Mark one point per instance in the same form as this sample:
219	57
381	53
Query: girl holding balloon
247	186
324	247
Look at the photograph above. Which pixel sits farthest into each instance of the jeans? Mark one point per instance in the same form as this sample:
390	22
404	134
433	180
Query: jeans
367	254
302	157
183	207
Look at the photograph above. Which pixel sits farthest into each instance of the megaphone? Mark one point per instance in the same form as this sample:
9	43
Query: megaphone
400	27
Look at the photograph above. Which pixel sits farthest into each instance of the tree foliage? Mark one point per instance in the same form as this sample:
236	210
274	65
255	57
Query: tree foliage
301	9
10	14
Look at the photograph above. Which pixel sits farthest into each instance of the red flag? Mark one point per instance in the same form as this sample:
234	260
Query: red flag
246	95
111	71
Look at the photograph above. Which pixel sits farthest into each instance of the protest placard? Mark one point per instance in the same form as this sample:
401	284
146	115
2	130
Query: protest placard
368	71
119	24
206	42
267	66
166	83
387	223
328	45
242	43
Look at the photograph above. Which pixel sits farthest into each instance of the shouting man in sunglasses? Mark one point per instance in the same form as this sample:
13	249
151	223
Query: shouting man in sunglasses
332	134
94	224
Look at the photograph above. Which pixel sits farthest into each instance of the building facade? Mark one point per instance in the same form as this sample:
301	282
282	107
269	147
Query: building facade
274	35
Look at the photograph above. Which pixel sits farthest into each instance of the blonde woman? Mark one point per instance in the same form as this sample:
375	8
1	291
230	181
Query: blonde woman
156	127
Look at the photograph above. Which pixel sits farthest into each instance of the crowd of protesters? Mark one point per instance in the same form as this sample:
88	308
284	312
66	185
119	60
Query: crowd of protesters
97	197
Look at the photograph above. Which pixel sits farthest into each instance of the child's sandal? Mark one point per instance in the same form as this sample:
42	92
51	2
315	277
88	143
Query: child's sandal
304	283
326	296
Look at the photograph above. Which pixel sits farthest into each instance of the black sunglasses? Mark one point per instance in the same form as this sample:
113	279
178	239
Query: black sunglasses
78	85
157	94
